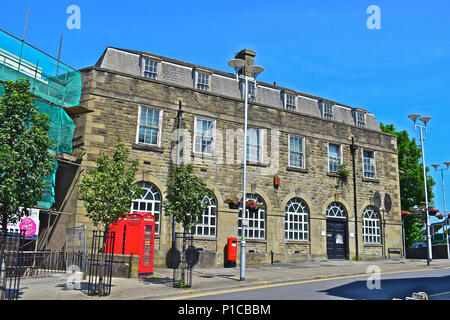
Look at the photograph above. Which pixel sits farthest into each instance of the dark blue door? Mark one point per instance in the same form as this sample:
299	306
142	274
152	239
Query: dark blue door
336	239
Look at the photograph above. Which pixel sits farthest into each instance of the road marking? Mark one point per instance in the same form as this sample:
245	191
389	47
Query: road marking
439	294
265	286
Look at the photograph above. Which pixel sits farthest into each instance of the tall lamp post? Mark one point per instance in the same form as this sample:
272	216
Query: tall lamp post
241	68
436	166
425	120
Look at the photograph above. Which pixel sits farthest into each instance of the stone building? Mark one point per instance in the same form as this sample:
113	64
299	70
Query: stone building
296	145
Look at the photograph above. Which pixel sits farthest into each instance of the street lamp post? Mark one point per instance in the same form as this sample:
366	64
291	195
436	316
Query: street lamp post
436	166
241	65
425	120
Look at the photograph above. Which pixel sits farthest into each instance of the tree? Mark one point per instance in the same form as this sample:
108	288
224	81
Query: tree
412	191
25	160
108	190
184	198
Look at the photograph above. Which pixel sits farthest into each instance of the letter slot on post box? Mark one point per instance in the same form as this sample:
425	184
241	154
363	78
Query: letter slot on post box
232	245
135	234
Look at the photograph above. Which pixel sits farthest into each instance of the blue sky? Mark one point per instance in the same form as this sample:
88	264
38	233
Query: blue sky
318	47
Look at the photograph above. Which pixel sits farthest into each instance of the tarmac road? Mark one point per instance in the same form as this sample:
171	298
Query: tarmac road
436	283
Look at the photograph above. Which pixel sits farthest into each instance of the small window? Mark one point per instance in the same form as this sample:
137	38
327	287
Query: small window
150	68
369	168
202	81
360	119
289	102
334	157
204	135
149	126
254	145
251	91
327	111
296	152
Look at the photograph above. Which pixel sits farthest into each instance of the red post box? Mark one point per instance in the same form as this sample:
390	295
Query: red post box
232	249
135	234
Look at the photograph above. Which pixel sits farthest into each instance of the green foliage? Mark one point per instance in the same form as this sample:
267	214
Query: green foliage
412	190
343	171
184	197
108	189
24	157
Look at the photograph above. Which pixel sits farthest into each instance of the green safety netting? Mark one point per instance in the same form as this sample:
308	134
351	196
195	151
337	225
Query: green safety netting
50	79
54	84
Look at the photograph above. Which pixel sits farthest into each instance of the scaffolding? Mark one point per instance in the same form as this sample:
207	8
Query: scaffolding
55	86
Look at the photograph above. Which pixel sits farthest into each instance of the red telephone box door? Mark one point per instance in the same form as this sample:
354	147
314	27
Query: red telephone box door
146	264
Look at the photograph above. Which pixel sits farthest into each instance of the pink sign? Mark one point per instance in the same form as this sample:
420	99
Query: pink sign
29	226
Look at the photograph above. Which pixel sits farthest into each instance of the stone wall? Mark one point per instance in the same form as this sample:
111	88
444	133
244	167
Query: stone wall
115	99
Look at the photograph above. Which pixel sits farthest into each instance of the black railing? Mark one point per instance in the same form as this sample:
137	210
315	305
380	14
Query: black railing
101	263
11	260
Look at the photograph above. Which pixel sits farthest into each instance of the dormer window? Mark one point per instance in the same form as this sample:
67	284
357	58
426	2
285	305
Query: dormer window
327	111
360	119
202	80
289	101
150	68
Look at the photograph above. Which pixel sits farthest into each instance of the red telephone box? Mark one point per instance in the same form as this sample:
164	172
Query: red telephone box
135	234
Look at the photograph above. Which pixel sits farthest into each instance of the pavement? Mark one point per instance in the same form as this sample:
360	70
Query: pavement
159	286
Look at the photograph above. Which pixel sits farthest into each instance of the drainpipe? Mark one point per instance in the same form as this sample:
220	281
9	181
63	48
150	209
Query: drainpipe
353	148
174	220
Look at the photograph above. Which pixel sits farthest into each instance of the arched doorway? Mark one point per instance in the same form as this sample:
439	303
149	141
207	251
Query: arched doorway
337	242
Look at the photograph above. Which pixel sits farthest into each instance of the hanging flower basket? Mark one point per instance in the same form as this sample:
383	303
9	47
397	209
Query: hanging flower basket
252	206
439	216
406	213
432	211
233	203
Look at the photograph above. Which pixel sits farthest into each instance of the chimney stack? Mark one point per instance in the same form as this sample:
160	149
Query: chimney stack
247	55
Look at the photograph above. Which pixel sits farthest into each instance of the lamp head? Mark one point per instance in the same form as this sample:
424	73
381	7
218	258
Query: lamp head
237	64
255	70
435	166
425	120
447	164
414	117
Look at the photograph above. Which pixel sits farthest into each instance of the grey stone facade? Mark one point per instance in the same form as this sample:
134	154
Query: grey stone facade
116	89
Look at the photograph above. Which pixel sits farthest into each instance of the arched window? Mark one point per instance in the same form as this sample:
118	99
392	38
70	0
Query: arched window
149	201
371	225
336	210
296	220
207	222
256	220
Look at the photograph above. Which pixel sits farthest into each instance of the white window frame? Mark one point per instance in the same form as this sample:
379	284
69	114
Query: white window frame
336	208
358	122
251	94
371	225
145	202
206	218
302	152
372	161
196	83
158	67
260	145
296	223
254	222
158	144
326	115
213	137
341	156
285	101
